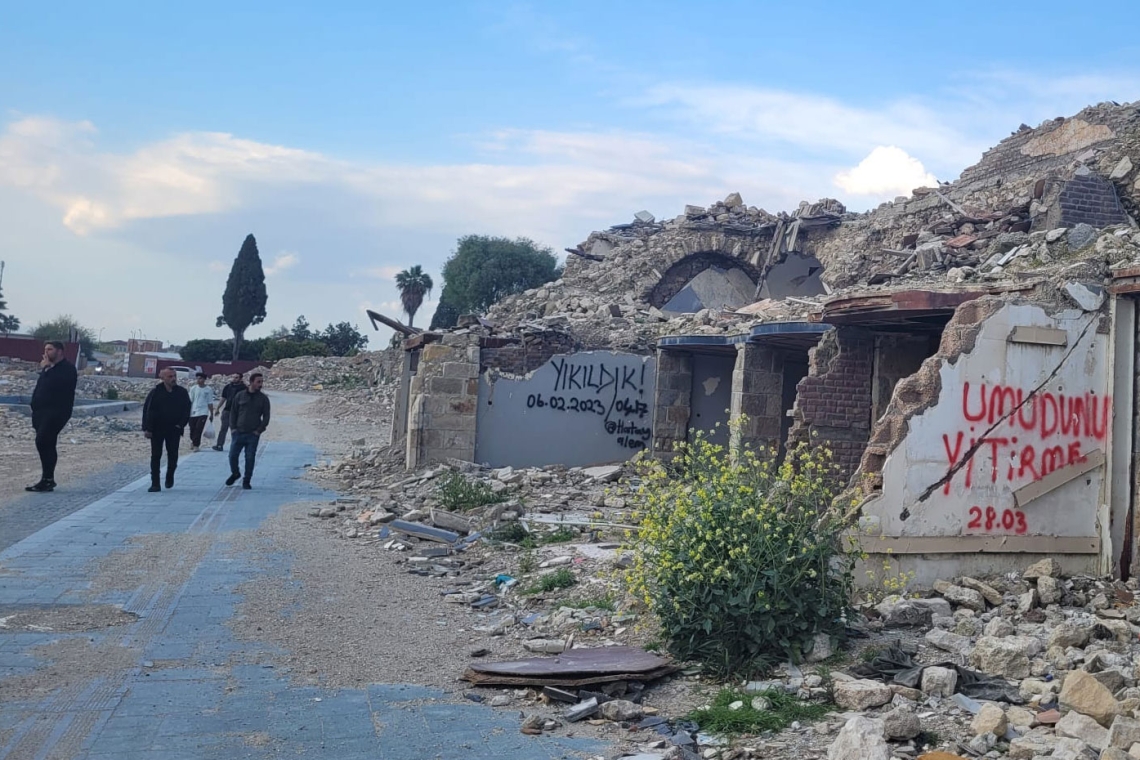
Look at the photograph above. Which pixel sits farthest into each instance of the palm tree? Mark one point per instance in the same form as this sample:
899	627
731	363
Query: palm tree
413	284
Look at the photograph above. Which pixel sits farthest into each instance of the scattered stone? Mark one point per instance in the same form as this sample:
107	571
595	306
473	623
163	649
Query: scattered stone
1048	590
1069	634
861	738
991	719
1082	693
1081	236
1046	567
901	724
949	642
1122	169
862	694
897	612
991	594
1006	657
621	710
999	627
963	597
1124	733
941	682
1078	726
821	648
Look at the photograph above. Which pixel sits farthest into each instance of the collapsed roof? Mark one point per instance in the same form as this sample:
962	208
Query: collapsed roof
1031	207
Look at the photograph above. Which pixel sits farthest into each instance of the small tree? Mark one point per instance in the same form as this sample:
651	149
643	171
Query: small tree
483	270
8	322
243	303
67	329
288	349
301	330
413	284
343	339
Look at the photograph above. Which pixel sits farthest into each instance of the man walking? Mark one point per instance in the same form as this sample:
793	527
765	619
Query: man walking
201	409
165	414
249	417
235	386
52	403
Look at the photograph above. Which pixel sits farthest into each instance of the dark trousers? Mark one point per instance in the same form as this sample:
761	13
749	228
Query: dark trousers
47	435
248	442
169	440
197	425
223	428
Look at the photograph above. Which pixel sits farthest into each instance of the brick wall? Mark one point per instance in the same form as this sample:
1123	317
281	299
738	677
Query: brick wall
1089	199
833	403
672	400
444	399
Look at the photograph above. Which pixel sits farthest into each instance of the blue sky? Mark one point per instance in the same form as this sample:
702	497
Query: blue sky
139	143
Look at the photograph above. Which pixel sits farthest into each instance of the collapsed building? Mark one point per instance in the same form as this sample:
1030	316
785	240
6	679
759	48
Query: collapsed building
968	353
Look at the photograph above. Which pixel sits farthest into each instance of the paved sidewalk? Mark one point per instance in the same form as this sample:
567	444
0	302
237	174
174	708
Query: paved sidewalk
164	677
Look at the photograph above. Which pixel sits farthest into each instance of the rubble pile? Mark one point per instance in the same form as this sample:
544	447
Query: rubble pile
18	378
1018	666
315	373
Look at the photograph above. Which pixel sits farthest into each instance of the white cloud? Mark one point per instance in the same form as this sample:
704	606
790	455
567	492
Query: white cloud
218	267
886	170
816	124
281	262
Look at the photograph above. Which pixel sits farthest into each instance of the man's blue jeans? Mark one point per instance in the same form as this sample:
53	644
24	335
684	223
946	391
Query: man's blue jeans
247	441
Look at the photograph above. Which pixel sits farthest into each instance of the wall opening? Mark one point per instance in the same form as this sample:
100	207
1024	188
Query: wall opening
707	280
711	397
796	275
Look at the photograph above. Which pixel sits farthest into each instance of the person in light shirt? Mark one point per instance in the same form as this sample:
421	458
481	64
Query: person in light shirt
201	409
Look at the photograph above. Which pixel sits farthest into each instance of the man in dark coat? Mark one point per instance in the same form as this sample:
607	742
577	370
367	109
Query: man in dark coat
235	386
249	417
165	415
52	402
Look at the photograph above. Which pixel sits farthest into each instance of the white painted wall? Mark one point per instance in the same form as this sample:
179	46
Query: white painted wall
944	432
593	407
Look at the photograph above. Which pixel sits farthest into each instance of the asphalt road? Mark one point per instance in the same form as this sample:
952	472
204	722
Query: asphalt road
116	641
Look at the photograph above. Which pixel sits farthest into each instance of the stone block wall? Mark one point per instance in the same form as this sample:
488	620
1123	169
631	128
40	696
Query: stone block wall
757	395
444	398
672	400
1089	199
833	403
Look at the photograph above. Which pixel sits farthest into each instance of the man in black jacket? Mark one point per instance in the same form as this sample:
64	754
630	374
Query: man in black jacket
165	415
235	386
249	417
52	402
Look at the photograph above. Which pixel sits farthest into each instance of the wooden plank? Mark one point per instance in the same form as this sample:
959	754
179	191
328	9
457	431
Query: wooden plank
1044	336
1057	478
395	324
979	544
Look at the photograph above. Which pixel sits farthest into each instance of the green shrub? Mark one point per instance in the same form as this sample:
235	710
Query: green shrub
783	710
740	558
457	493
552	582
111	393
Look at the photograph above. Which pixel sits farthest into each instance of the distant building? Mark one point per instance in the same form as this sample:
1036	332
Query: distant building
135	346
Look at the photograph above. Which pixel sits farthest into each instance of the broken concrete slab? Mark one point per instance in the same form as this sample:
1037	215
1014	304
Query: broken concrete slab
441	518
1088	297
424	531
1122	169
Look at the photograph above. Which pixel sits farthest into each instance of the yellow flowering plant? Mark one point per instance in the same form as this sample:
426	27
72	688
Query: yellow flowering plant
738	555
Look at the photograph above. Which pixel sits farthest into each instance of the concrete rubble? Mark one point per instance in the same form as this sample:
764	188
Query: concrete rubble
1023	665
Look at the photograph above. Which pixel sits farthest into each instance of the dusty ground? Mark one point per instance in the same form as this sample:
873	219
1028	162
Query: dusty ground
86	446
